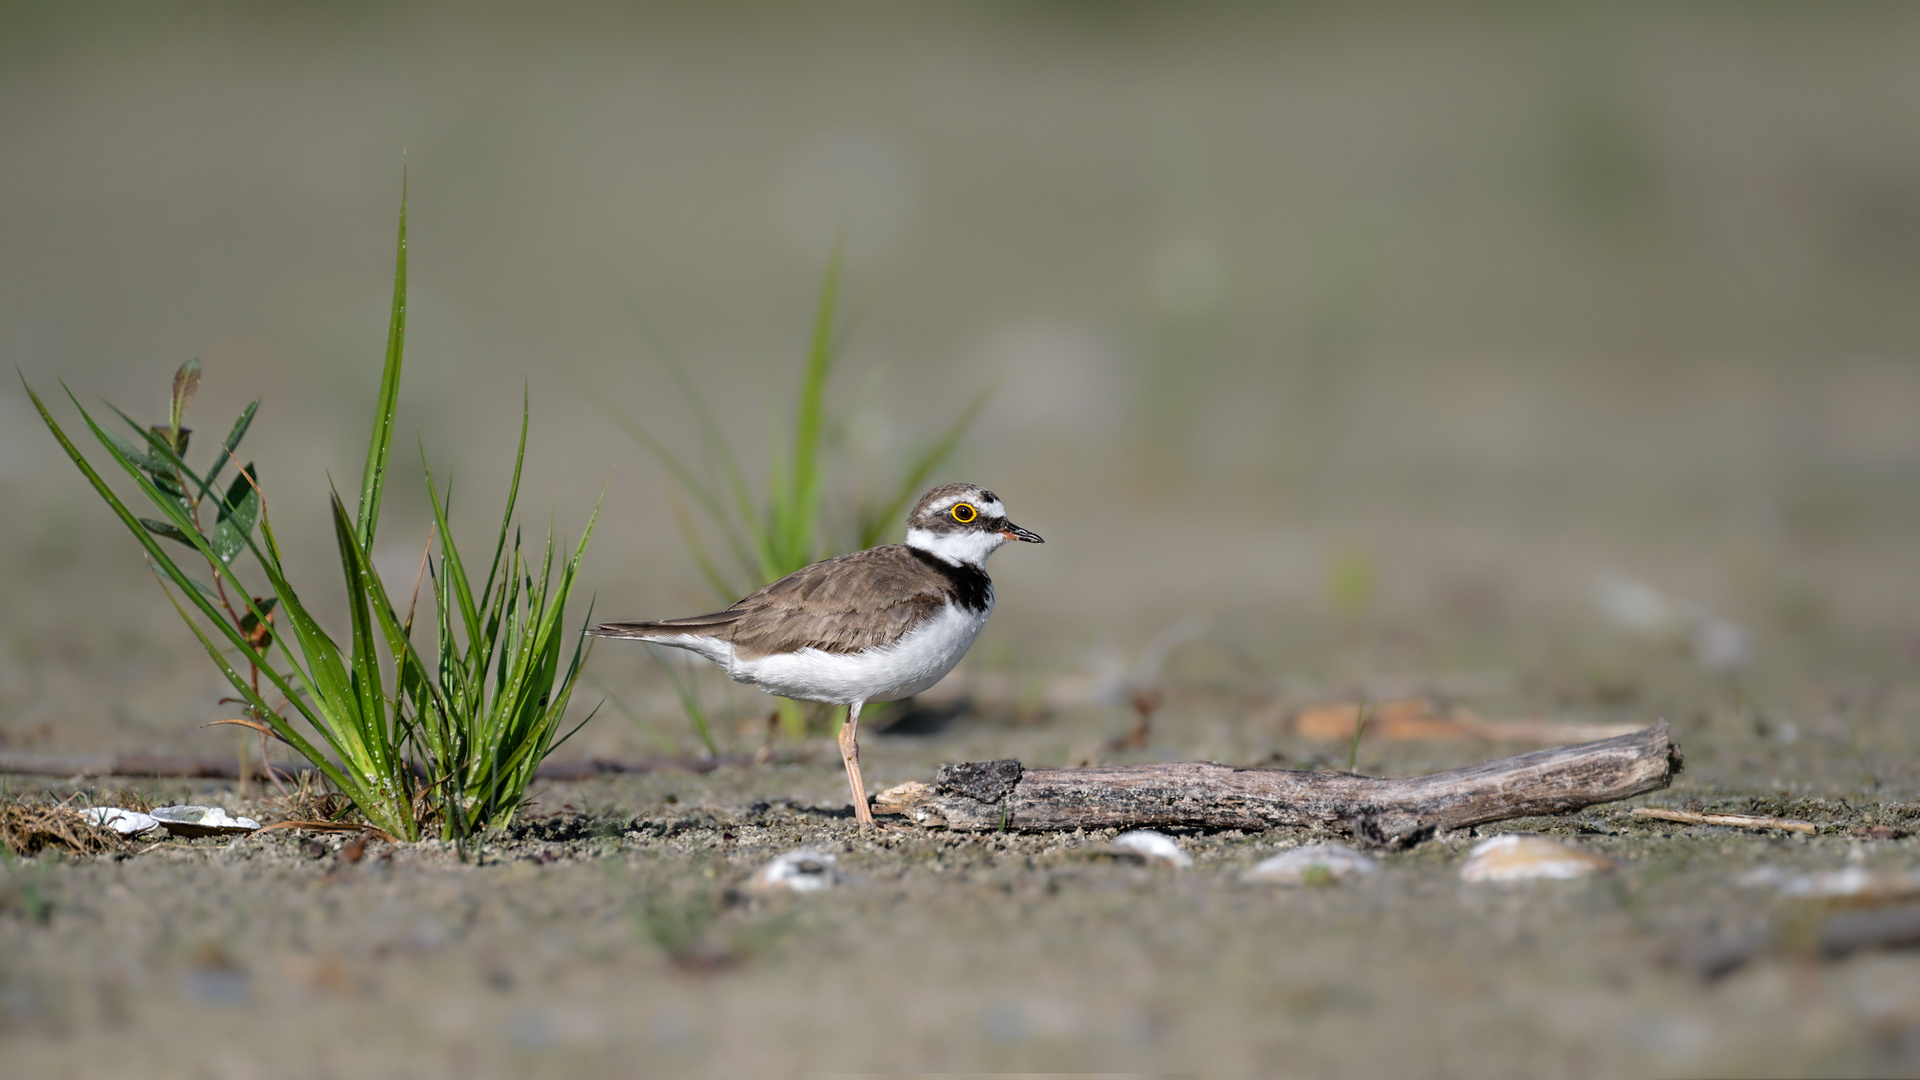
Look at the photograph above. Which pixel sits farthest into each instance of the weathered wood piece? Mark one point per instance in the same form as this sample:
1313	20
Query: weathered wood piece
1200	794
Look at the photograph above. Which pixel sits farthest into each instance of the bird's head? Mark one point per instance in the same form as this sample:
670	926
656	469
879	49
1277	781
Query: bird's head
963	524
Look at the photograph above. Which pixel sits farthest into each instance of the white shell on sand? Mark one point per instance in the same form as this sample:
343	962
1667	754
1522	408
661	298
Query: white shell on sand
1521	857
1153	847
124	822
202	821
799	870
1314	863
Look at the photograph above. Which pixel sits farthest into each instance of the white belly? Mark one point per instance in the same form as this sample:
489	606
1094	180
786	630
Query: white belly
903	669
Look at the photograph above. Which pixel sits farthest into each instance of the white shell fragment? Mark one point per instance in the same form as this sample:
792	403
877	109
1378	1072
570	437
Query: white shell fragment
799	870
1522	857
1852	883
1312	864
202	821
1153	847
124	822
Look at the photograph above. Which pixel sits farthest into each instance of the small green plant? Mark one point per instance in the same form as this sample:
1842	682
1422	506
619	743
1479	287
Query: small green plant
1361	716
767	538
688	692
411	741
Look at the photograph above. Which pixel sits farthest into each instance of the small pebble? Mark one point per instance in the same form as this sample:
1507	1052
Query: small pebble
1520	857
1851	883
799	870
1311	865
1153	847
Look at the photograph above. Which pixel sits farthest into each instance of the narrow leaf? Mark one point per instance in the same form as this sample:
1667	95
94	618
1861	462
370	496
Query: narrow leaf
922	467
186	382
380	444
238	512
166	529
201	595
231	443
810	419
120	443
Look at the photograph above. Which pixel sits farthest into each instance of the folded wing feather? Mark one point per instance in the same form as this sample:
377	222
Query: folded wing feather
862	600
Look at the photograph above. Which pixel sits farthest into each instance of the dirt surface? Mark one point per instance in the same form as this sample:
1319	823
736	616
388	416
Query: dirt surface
1558	360
615	931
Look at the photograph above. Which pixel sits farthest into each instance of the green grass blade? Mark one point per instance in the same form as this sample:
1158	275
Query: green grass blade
690	482
230	444
712	440
163	500
166	529
125	449
327	675
380	443
344	781
513	491
162	459
690	535
238	513
572	731
199	594
453	571
798	510
923	466
363	662
690	703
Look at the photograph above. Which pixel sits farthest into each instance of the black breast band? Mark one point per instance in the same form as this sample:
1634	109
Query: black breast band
969	586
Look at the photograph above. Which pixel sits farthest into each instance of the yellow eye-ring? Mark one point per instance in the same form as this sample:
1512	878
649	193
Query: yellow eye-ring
963	512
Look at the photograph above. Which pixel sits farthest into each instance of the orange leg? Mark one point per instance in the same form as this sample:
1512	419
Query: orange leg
850	757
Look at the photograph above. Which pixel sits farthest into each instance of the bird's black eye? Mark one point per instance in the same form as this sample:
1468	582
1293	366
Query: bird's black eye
964	513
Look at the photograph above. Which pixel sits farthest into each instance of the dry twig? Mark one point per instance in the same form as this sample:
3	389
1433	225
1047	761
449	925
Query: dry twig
1386	812
1738	821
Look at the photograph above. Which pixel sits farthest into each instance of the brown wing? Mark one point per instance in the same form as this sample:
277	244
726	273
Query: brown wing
848	603
843	604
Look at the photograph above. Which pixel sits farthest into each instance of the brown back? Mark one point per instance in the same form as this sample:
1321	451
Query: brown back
861	600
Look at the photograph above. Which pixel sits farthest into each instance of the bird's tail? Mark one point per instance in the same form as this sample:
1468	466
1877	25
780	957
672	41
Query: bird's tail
667	628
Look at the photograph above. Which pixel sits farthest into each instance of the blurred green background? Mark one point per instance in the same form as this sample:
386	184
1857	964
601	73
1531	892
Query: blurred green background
1383	337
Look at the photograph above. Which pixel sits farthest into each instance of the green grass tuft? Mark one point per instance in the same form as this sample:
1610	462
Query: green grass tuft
454	740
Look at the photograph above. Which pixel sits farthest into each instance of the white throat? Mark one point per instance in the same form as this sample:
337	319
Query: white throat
969	548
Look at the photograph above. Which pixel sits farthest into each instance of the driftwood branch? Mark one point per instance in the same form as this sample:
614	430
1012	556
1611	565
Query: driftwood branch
1383	812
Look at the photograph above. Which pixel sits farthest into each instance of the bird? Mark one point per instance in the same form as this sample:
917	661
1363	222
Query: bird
879	624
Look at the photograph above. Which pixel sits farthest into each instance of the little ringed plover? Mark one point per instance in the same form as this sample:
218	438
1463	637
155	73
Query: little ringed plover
873	625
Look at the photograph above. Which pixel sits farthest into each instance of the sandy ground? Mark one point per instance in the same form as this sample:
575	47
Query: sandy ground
1563	357
613	933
